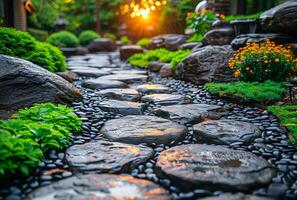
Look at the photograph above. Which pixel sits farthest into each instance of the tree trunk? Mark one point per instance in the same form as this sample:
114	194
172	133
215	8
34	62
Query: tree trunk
97	13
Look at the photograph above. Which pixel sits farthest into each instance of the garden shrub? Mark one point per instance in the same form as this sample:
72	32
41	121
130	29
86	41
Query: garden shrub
125	40
111	36
86	37
22	45
261	62
288	119
268	91
144	42
63	39
40	35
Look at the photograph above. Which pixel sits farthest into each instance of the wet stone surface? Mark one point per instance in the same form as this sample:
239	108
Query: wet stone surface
166	99
92	72
238	196
153	88
127	78
120	94
226	132
103	84
214	167
104	156
122	107
143	129
141	72
103	186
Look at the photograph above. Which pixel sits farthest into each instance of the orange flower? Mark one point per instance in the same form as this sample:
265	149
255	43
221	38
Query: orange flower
222	17
276	60
204	11
237	73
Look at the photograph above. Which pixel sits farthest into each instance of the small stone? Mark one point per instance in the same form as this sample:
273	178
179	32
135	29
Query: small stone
122	107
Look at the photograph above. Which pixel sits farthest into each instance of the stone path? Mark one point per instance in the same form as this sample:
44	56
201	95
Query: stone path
146	137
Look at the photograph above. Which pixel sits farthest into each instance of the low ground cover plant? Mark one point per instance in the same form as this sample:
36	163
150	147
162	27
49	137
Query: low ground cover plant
111	36
162	55
144	42
125	40
262	93
235	17
288	119
195	38
63	39
87	37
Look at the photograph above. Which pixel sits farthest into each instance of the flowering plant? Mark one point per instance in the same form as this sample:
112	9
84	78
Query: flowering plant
261	62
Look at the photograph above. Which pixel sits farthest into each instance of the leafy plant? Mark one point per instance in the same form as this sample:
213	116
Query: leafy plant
40	35
235	17
111	36
87	36
195	38
125	40
144	42
261	62
268	91
63	39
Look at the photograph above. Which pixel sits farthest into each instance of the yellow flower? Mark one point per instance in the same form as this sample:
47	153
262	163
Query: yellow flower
237	73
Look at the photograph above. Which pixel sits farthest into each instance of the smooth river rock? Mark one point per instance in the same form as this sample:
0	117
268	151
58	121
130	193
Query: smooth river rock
166	99
214	168
100	186
127	78
103	84
153	88
122	107
92	72
226	132
103	156
189	113
143	129
120	94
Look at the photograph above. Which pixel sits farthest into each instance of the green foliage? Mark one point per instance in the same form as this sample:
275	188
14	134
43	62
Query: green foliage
111	36
195	38
235	17
125	40
40	35
52	114
288	118
87	36
268	91
22	45
63	39
162	55
144	42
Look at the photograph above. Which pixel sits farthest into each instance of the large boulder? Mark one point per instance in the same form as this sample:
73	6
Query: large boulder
23	84
207	64
101	44
281	19
168	41
129	50
220	36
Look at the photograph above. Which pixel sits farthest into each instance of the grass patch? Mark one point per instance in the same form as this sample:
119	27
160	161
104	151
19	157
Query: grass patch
235	17
288	119
195	38
262	93
162	55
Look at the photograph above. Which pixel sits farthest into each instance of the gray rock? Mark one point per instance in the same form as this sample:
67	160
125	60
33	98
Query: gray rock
166	71
189	113
153	88
120	94
238	196
155	66
190	45
101	44
140	72
166	99
129	50
168	41
100	186
207	64
90	72
68	76
122	107
23	84
244	26
127	78
225	132
143	129
103	156
220	36
214	168
103	84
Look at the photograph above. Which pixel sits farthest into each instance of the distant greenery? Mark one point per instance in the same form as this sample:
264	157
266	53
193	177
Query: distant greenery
144	42
235	17
40	35
248	91
32	131
195	38
125	40
111	36
63	39
22	45
288	119
87	37
162	55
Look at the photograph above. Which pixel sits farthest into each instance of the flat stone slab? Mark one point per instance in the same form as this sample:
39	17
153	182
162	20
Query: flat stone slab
214	168
166	99
103	84
225	132
143	129
90	72
100	186
238	196
189	113
153	88
102	156
141	72
122	107
127	78
120	94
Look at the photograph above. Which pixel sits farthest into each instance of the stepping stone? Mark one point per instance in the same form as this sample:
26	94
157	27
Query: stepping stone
153	88
166	99
103	84
102	156
143	129
189	113
225	132
123	107
127	78
214	168
109	66
141	72
238	196
120	94
90	72
100	186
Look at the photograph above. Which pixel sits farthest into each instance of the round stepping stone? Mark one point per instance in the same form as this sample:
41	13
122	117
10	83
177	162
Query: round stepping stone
102	156
189	113
90	72
214	168
225	132
166	99
100	186
120	94
96	84
143	129
238	196
153	88
123	107
141	72
127	78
